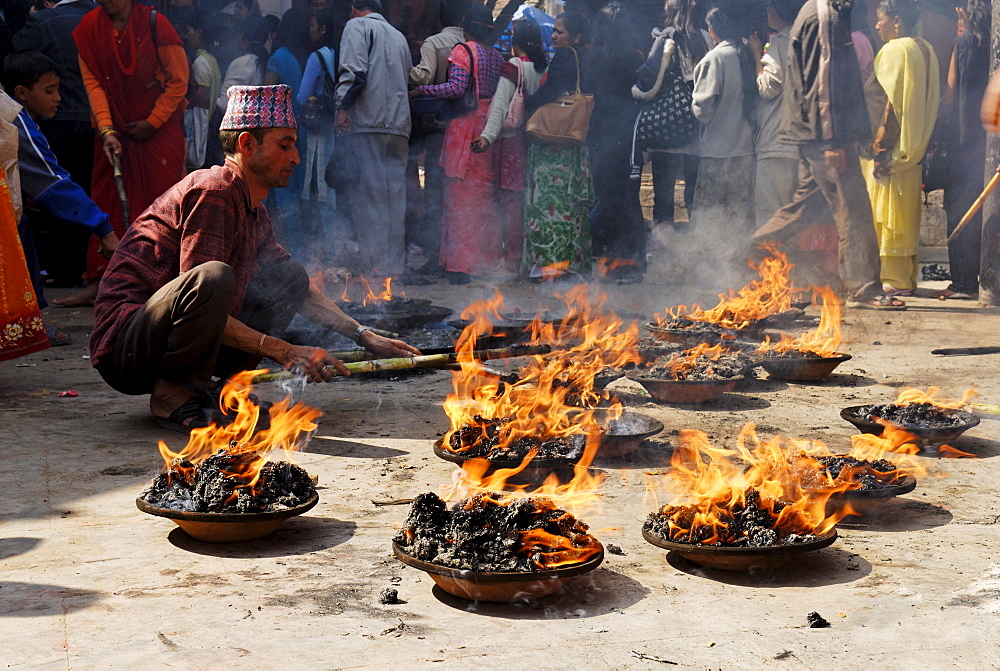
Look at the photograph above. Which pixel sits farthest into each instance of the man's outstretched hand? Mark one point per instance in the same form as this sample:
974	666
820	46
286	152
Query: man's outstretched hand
313	362
386	347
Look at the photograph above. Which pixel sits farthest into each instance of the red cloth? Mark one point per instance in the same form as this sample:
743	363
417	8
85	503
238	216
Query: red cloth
207	216
471	230
150	166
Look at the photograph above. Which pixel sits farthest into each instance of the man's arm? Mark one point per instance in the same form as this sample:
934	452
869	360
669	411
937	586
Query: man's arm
425	72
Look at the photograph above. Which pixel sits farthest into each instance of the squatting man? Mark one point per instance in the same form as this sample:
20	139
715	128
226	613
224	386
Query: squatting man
199	287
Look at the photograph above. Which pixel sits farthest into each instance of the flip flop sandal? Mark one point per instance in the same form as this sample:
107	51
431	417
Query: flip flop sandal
885	303
58	337
892	291
198	412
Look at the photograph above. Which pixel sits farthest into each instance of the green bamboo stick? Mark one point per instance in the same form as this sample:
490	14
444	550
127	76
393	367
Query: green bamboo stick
407	363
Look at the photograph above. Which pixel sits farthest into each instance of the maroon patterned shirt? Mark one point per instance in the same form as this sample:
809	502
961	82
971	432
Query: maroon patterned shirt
207	216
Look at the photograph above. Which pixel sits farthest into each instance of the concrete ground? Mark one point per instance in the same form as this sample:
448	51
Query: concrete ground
88	581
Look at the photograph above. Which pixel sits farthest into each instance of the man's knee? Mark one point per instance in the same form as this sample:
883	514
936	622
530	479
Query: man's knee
210	284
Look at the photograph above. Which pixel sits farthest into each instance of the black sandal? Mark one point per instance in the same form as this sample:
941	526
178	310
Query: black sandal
198	412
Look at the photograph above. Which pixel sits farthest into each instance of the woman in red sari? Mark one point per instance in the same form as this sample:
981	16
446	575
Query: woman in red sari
471	233
136	83
21	328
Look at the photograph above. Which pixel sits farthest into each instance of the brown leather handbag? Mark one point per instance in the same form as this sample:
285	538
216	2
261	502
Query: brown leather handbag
565	121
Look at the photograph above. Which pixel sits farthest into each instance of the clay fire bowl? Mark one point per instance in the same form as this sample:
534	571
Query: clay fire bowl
602	381
867	502
686	391
810	369
737	558
928	436
622	436
499	587
225	527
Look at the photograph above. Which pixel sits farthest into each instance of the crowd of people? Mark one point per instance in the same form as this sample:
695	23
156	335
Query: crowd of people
415	156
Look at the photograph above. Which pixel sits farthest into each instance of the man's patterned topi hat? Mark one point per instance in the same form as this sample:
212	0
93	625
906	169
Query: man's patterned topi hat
259	107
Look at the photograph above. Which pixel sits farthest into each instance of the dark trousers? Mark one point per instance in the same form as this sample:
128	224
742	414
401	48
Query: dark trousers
965	182
424	205
667	169
616	224
822	191
177	335
62	247
31	259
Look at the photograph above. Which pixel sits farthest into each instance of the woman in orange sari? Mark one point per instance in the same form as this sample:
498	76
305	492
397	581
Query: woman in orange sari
21	328
136	83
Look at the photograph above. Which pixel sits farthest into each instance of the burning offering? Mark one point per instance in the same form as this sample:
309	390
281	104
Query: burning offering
927	418
386	309
763	303
547	413
775	497
812	356
233	482
738	509
496	546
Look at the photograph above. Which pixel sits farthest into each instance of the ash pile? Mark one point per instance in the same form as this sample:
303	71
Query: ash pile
749	523
493	532
229	483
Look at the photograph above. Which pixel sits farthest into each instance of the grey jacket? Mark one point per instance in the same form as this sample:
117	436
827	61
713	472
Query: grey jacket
769	85
373	52
717	102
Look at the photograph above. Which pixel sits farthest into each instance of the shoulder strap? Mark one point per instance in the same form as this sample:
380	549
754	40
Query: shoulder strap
152	27
577	59
472	67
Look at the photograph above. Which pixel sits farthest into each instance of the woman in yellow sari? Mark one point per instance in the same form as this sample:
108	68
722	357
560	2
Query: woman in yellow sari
907	70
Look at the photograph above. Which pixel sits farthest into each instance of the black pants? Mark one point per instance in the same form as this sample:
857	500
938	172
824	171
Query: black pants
965	182
667	169
177	335
616	224
62	247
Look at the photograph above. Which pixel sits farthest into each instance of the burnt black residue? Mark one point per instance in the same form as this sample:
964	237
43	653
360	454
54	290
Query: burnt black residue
749	524
795	355
485	439
484	532
730	365
835	470
917	415
817	621
211	488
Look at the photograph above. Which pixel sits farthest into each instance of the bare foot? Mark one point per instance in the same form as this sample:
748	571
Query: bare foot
84	298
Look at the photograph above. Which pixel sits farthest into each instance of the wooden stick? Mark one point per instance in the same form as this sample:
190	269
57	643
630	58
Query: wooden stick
976	205
407	363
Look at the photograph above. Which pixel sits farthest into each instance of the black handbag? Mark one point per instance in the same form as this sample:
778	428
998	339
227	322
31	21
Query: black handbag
934	168
446	109
667	122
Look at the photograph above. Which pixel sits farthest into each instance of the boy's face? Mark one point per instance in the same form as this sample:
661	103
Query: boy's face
42	99
192	37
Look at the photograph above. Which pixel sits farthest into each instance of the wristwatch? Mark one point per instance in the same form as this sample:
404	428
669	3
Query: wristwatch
357	333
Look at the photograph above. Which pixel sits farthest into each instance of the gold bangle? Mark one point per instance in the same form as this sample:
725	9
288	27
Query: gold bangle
261	343
105	131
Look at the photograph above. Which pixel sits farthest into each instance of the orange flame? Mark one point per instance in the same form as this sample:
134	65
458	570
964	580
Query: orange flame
789	475
536	408
370	295
769	295
825	339
289	430
606	265
931	396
